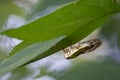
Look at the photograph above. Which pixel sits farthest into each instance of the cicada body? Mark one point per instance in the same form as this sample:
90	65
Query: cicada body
81	48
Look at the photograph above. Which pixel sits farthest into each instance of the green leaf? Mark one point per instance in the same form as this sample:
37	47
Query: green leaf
27	54
76	20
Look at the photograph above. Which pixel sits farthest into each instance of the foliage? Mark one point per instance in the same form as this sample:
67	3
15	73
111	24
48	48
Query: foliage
64	26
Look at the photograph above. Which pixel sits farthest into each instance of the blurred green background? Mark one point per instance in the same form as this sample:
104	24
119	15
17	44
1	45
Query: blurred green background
101	64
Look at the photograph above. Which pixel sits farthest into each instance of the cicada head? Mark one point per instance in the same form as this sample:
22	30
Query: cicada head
93	44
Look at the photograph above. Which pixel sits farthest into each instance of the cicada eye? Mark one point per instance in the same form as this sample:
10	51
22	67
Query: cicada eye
81	48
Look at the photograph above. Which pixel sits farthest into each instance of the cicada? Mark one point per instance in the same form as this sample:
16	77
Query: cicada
81	48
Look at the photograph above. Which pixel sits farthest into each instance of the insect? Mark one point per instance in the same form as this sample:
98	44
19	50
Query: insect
81	48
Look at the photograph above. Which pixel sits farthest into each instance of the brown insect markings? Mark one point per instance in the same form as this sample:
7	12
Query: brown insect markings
66	50
84	47
77	46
